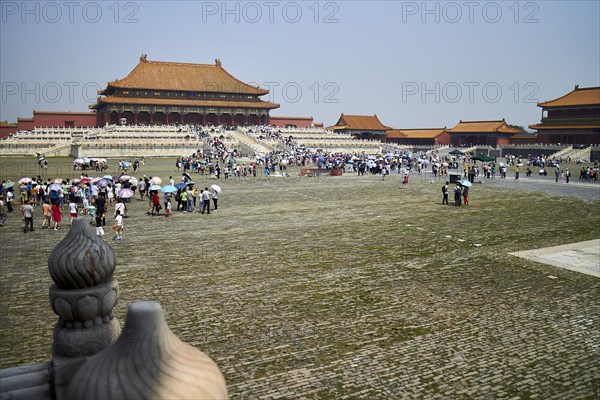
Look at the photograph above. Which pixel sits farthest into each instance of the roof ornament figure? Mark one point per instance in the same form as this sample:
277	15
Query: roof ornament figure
144	57
217	62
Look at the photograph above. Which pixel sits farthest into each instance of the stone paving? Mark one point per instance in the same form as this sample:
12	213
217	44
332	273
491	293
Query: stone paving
348	288
583	257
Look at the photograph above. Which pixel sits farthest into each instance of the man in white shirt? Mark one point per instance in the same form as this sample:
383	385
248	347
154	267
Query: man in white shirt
206	201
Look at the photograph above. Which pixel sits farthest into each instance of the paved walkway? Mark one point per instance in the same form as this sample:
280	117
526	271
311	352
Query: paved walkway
581	257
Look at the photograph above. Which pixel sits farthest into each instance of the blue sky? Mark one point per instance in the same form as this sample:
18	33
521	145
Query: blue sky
414	64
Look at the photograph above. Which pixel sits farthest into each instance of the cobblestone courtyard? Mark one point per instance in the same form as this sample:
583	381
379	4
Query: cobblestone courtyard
347	287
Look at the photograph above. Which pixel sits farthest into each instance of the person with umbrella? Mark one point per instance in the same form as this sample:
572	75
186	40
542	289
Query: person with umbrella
215	195
465	193
155	203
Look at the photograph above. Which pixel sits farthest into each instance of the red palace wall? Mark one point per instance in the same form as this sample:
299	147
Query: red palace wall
25	124
282	122
51	119
7	129
64	119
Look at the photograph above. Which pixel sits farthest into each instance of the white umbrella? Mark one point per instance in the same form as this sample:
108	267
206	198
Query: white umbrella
216	188
156	180
133	180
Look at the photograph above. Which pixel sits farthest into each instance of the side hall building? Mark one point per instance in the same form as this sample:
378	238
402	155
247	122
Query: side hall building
482	133
418	137
571	119
158	92
360	126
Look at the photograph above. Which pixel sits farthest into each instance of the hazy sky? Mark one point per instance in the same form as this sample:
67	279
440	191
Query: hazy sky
414	64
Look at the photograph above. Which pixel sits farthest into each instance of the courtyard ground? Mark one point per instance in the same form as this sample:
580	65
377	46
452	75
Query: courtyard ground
346	287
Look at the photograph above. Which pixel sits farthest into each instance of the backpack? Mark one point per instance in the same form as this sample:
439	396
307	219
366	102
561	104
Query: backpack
53	194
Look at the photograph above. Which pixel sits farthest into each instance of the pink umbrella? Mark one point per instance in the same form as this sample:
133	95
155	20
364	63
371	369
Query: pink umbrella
25	180
125	193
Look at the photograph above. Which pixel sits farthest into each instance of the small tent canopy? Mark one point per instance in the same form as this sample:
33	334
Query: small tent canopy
484	158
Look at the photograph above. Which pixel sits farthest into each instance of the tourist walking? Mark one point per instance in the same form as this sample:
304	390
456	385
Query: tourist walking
118	226
465	193
47	214
100	208
72	211
10	196
56	214
445	193
457	195
99	228
405	181
215	198
2	210
184	198
27	213
206	201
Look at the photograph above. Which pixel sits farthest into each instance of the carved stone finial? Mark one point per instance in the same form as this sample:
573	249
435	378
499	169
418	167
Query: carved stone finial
155	362
81	259
83	296
84	293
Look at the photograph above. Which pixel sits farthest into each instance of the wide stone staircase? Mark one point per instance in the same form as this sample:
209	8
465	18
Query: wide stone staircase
249	141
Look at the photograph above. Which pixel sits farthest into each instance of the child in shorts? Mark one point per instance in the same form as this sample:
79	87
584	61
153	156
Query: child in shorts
92	211
99	228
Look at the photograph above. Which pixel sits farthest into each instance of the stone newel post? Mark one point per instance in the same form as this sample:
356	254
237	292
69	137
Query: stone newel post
83	296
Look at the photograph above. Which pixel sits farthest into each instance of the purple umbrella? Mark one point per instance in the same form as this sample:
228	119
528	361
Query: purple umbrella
125	193
55	186
102	183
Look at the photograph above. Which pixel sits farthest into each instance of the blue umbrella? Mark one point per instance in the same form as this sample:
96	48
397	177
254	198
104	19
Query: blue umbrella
168	189
181	185
109	177
466	183
55	186
154	187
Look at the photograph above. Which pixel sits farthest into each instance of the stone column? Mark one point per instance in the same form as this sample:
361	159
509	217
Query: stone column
83	296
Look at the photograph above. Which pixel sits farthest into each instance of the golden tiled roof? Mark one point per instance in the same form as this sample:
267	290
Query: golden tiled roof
499	126
577	97
359	122
545	126
430	133
183	102
84	113
161	75
287	117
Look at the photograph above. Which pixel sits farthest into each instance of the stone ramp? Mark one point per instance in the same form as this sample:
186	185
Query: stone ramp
583	257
